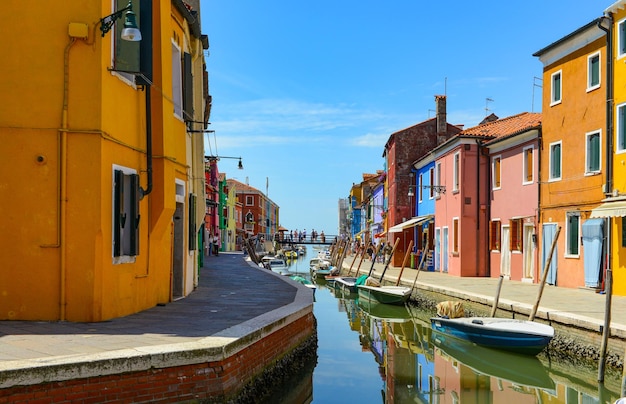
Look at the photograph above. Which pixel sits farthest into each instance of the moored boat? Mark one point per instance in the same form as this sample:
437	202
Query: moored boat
521	336
371	289
346	283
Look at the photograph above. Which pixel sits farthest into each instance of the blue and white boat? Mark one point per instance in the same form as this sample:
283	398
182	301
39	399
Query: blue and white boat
521	336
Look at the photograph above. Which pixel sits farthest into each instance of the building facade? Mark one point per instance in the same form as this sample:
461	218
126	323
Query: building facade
100	157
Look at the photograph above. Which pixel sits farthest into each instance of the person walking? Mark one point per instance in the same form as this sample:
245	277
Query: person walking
216	245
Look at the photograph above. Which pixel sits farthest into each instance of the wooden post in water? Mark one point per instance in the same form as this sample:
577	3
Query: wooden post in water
406	256
339	264
495	301
607	323
362	257
544	276
374	259
356	254
390	257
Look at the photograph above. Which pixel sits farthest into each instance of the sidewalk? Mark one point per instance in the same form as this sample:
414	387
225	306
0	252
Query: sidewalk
230	302
572	307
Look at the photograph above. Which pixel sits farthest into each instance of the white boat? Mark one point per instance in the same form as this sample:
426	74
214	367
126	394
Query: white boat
278	265
521	336
346	283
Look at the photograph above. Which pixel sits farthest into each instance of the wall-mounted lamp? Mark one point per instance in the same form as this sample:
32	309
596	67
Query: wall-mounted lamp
239	165
131	30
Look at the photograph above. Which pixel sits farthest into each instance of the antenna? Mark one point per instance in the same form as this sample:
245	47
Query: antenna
535	80
487	101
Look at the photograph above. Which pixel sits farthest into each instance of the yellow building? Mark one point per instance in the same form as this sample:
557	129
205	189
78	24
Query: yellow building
573	155
613	210
101	155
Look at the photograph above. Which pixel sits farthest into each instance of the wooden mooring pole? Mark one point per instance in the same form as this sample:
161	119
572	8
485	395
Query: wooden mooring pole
406	256
544	276
495	301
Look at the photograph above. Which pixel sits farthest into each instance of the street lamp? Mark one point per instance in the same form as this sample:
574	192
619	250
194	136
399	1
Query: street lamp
239	165
131	31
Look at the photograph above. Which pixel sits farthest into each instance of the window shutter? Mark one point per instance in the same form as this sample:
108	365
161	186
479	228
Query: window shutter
187	87
126	52
192	222
133	215
117	212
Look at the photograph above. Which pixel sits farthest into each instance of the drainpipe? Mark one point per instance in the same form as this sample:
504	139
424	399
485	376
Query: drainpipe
487	154
609	101
144	192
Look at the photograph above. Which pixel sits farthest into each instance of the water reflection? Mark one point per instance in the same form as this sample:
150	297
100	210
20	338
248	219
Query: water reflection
376	353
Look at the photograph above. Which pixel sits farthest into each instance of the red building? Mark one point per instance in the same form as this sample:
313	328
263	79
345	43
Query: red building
401	150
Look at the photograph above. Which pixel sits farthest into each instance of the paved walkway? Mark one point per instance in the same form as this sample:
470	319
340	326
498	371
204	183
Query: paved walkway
232	299
579	307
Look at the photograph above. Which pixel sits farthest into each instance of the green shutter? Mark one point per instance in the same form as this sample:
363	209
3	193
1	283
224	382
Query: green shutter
595	71
621	127
118	184
133	215
187	87
594	153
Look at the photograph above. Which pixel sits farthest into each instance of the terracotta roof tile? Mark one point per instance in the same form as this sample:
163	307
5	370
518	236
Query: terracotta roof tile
505	127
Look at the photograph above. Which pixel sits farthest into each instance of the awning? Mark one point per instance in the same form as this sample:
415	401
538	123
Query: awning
410	223
610	209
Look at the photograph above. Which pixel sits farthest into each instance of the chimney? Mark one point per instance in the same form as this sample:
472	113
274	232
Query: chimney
442	122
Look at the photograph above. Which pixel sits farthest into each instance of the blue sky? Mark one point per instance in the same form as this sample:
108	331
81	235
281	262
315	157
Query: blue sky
307	93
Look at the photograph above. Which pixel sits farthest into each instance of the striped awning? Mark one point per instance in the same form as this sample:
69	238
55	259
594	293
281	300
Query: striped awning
410	223
616	208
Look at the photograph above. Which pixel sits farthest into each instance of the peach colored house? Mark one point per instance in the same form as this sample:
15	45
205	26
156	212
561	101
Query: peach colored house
514	202
573	154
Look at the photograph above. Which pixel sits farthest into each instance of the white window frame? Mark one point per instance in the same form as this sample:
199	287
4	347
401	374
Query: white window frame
553	100
587	152
498	158
621	38
619	118
438	179
456	172
177	80
420	187
431	176
550	177
568	254
590	86
525	167
249	200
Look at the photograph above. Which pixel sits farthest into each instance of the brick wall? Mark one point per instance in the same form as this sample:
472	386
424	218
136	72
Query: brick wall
212	380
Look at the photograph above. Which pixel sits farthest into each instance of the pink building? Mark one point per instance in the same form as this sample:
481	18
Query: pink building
463	167
514	201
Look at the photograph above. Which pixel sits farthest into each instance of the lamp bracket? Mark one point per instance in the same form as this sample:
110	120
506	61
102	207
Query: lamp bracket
107	22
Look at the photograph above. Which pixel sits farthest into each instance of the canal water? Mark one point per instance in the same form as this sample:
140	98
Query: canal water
388	354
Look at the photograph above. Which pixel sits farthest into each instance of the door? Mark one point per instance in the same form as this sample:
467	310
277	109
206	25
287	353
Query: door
178	251
529	252
437	249
505	253
444	251
549	231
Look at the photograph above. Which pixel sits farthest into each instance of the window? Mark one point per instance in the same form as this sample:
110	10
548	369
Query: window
125	53
457	172
555	161
621	38
420	187
555	90
623	231
431	193
572	234
495	167
177	81
455	235
621	128
593	71
516	226
249	200
125	213
249	217
528	166
494	235
438	179
592	153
